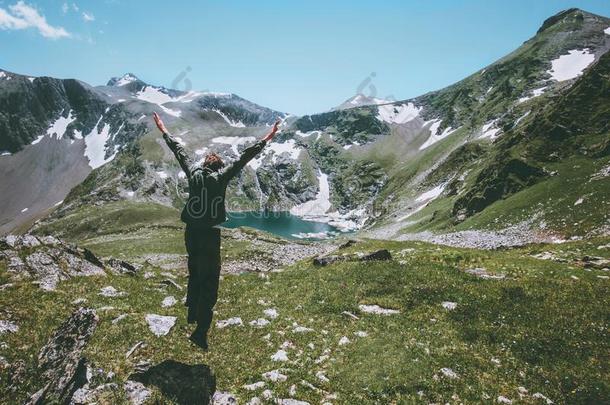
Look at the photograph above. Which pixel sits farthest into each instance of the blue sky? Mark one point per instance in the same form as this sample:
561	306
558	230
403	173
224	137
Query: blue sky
299	57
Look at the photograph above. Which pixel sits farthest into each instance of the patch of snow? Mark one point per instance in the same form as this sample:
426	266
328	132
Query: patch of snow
2	75
534	93
275	376
162	174
236	124
153	95
160	325
315	235
489	130
236	321
431	194
579	201
307	134
168	301
434	136
607	31
95	145
31	79
280	355
188	97
5	153
318	206
234	141
58	127
377	310
398	114
201	152
126	79
24	210
518	120
569	66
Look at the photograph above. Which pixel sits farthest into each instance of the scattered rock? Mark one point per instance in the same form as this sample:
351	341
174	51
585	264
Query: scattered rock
119	319
290	401
271	313
300	329
481	272
259	323
160	325
449	373
223	398
348	243
448	305
254	386
110	291
594	262
170	282
280	355
503	400
8	327
118	266
134	348
538	395
322	377
275	376
361	333
236	321
344	340
63	369
136	392
347	313
86	395
168	301
376	309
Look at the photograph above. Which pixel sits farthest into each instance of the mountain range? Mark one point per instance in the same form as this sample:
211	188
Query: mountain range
488	152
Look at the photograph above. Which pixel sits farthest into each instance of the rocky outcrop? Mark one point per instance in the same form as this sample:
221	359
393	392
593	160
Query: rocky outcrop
382	254
62	366
47	260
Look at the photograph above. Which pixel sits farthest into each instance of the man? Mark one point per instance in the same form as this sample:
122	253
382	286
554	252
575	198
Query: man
204	210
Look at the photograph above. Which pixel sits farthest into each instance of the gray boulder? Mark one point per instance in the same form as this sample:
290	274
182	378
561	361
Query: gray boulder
63	368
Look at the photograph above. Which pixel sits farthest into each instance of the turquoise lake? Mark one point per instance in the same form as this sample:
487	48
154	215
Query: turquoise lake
281	223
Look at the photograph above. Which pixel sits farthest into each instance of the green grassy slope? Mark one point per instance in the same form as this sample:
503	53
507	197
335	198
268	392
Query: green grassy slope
544	327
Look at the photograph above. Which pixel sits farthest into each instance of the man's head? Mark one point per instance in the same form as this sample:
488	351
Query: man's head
213	162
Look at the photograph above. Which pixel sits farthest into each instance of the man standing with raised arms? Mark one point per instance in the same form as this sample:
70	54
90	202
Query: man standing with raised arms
204	210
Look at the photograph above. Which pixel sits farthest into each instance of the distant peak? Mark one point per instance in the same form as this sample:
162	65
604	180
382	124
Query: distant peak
123	80
561	16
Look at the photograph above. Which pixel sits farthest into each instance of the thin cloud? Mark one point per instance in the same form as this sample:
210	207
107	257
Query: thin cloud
87	17
65	8
22	16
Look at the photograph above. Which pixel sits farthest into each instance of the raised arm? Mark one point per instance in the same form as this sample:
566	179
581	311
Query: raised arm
248	154
183	158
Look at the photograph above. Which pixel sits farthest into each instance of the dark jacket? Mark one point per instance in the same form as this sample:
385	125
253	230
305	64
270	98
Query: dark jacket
206	203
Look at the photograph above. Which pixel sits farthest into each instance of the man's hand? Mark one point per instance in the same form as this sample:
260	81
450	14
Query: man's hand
159	123
271	134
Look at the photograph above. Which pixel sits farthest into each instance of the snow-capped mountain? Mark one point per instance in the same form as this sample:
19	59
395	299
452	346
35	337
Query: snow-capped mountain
360	100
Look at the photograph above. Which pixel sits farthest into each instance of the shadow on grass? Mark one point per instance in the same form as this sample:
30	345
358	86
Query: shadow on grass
183	383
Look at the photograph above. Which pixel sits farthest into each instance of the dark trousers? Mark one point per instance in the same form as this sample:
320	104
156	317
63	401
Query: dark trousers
203	248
